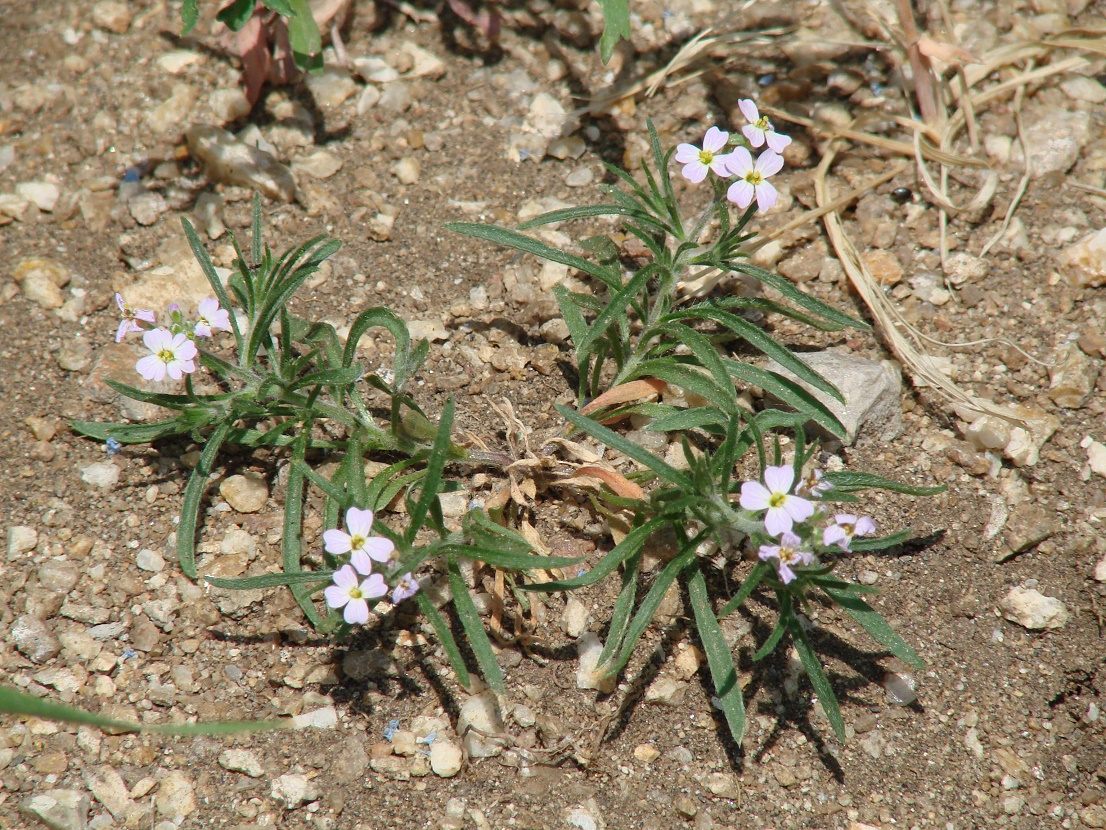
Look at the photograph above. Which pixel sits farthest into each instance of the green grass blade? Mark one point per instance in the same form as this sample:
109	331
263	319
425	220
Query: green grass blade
270	580
208	267
521	242
616	307
805	301
513	561
622	552
474	629
848	482
132	433
435	465
750	583
445	637
291	543
817	676
719	657
770	644
623	608
875	625
789	392
193	496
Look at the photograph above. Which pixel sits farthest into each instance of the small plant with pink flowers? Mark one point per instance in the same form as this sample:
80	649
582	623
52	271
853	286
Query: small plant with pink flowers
675	365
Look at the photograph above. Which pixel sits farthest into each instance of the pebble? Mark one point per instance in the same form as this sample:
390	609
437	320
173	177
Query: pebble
396	98
425	64
209	214
375	70
21	539
480	714
245	493
1082	88
961	268
34	639
178	60
322	164
989	433
1033	610
145	208
445	759
368	99
144	635
588	649
325	718
149	560
58	575
427	330
293	790
546	115
646	753
575	618
581	177
1027	527
43	429
229	105
568	147
330	87
871	390
1096	462
1085	261
42	194
234	162
666	691
112	15
59	809
407	170
107	786
173	110
900	688
1072	377
884	267
241	760
1054	138
392	767
40	289
101	474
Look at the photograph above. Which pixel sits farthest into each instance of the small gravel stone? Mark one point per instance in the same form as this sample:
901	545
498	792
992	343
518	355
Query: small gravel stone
588	649
427	330
646	753
144	635
112	16
1031	609
245	493
231	161
575	618
178	60
34	639
330	87
321	164
59	809
407	170
884	267
58	575
396	98
1082	88
229	105
1085	261
666	691
478	724
580	178
1028	526
145	208
40	289
445	759
175	796
241	760
1054	138
20	540
149	560
173	110
101	474
1096	461
724	785
961	268
43	195
325	718
1072	377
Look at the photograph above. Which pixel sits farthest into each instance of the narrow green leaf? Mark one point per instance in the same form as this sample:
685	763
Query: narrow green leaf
787	288
685	377
568	214
719	658
291	541
208	267
329	377
445	636
773	640
482	532
685	420
628	448
879	542
790	393
474	629
281	7
303	31
520	242
616	306
15	702
132	433
189	15
236	15
513	561
623	607
193	496
378	317
616	25
874	624
817	676
271	580
435	465
852	482
622	552
748	585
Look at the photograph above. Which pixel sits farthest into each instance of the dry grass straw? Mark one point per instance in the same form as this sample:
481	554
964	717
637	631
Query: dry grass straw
949	101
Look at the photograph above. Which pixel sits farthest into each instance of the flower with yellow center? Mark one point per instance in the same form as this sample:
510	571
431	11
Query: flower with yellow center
697	162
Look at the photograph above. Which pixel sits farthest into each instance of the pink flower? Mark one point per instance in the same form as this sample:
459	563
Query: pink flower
697	162
173	355
353	594
813	484
845	527
787	556
752	179
783	508
359	542
210	316
130	317
407	587
759	130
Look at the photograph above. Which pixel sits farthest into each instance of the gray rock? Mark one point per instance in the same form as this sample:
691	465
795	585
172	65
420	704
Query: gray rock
175	796
44	195
145	208
59	809
1028	526
293	790
479	724
1033	610
1072	377
34	639
231	161
101	474
1054	137
871	391
149	560
241	760
20	540
58	575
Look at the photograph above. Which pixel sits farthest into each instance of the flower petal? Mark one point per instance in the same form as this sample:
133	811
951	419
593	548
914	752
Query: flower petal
786	574
798	509
720	166
754	134
777	142
336	596
769	163
357	612
715	140
740	193
359	522
766	196
694	171
345	577
779	479
378	548
749	109
864	527
740	163
767	552
361	562
754	496
336	541
776	521
157	339
374	586
687	153
151	367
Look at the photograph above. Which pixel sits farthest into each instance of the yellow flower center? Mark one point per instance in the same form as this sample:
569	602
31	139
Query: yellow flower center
754	178
764	124
166	356
357	542
355	593
777	499
706	156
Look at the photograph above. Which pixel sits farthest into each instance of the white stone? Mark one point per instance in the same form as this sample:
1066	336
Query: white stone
245	493
100	474
43	195
241	760
426	65
480	724
1033	610
989	433
330	87
112	15
178	60
325	718
666	691
145	208
1082	88
43	291
59	809
407	170
1054	137
173	110
575	618
1096	458
20	540
149	560
1100	570
547	115
961	268
445	759
239	541
588	649
1085	261
293	790
322	164
427	330
229	104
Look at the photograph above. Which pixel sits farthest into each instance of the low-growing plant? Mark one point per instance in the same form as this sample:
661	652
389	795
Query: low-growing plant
633	338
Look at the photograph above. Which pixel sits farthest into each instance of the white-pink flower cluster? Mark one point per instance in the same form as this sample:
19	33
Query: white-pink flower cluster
751	174
173	351
355	583
790	514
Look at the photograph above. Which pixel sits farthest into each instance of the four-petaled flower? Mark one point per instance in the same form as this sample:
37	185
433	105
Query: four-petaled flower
775	496
759	129
352	593
813	485
173	355
211	316
359	542
752	179
407	587
697	162
787	556
131	316
845	526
